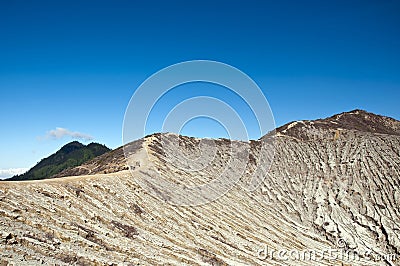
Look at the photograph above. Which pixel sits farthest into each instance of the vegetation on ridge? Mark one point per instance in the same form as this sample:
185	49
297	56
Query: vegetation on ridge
71	155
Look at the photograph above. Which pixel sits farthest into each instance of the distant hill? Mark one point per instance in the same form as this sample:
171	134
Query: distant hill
71	155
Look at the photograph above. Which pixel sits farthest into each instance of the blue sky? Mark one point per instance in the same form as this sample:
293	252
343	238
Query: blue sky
75	64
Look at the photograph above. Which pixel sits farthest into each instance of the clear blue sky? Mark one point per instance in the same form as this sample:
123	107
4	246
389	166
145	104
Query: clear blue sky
75	64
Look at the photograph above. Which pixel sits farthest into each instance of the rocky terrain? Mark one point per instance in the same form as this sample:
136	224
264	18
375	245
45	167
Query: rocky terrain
356	120
332	190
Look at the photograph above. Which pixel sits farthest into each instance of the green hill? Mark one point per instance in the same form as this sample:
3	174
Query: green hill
70	155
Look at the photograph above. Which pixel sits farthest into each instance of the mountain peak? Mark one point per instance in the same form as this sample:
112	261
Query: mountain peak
356	120
357	114
72	146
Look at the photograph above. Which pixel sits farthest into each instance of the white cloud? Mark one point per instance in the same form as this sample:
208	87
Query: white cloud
60	132
6	173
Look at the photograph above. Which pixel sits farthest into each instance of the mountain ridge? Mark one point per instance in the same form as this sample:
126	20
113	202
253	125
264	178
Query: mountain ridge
352	122
306	130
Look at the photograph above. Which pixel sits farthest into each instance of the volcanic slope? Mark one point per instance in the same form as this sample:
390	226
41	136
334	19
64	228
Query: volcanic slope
332	186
